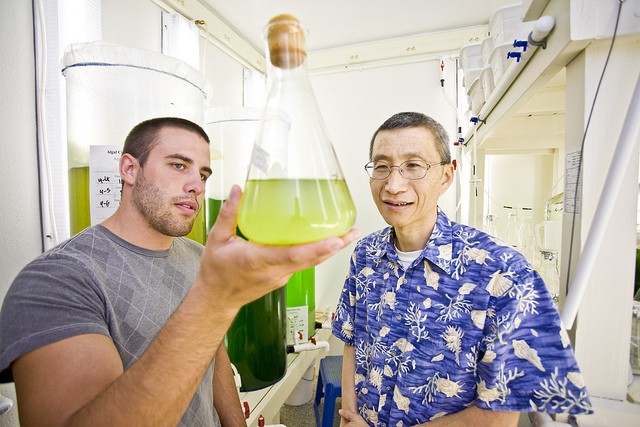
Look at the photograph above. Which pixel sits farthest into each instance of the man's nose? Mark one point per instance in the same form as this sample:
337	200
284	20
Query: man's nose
395	182
195	184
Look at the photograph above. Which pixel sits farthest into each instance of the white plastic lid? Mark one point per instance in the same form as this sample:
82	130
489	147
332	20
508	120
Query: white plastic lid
110	54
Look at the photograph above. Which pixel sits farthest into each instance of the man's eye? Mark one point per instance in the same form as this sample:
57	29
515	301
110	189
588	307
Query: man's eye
179	166
204	177
380	167
413	165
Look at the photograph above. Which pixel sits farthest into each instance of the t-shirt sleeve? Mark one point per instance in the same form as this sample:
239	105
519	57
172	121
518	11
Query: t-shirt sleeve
50	300
528	362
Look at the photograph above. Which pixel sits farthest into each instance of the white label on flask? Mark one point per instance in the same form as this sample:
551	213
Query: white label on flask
105	186
260	158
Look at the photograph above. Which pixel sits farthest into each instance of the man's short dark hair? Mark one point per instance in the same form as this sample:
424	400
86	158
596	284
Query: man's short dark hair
143	137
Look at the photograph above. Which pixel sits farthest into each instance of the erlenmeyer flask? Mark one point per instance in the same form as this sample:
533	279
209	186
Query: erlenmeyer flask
295	190
527	239
490	227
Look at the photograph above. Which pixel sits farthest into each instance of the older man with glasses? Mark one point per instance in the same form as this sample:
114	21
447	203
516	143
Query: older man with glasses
443	324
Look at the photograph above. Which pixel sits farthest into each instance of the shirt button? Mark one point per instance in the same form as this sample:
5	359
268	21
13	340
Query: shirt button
388	388
399	316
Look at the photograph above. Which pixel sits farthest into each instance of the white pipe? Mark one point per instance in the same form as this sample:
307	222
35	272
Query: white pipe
627	142
310	346
541	29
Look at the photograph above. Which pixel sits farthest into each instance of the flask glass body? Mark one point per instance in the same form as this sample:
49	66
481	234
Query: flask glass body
295	190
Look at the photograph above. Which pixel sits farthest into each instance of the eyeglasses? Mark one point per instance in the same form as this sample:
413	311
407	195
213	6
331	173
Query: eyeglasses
411	169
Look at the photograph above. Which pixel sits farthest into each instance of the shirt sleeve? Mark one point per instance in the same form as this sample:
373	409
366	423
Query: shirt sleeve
344	320
528	363
50	300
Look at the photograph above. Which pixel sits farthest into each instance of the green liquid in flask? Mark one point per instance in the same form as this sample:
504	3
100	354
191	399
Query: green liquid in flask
292	211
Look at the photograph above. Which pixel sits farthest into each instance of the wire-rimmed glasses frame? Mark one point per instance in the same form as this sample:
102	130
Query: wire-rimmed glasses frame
410	169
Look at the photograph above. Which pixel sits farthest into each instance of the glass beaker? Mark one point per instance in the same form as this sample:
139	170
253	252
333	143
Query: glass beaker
549	272
490	226
295	190
512	234
527	240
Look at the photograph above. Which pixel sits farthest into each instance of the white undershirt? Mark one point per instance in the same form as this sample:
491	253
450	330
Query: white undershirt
406	258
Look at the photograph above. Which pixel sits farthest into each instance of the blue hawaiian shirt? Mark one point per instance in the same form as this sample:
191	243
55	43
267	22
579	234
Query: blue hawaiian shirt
470	322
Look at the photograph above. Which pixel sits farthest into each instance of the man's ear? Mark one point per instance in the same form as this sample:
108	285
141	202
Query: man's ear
129	167
447	177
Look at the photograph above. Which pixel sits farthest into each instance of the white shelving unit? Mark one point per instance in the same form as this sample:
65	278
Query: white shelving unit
546	106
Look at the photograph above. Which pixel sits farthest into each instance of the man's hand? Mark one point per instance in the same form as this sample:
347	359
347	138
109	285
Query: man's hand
351	419
236	271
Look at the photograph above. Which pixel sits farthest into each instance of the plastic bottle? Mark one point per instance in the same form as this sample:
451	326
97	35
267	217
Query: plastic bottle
301	302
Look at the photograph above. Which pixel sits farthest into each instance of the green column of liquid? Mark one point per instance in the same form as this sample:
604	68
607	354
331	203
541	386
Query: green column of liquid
80	211
291	211
256	340
301	292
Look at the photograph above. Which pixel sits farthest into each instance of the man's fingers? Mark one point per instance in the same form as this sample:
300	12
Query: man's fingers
309	254
226	222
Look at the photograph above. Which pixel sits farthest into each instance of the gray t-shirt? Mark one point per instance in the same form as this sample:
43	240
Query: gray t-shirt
96	282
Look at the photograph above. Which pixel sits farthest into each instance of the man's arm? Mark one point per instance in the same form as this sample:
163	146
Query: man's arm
349	415
476	417
225	393
80	380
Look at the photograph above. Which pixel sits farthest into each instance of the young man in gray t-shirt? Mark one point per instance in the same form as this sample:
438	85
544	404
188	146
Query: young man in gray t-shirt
121	324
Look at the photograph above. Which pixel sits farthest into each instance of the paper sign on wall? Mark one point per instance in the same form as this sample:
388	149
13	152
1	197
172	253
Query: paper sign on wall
572	183
104	181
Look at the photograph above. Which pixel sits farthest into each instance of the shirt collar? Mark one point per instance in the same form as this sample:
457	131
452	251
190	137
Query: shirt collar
437	250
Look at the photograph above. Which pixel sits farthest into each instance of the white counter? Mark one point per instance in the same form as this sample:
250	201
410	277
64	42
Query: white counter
268	401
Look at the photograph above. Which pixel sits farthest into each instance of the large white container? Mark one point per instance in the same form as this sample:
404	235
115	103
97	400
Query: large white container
111	88
499	62
488	84
486	47
471	56
506	25
476	96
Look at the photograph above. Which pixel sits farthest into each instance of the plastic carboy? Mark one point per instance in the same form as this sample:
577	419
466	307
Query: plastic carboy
260	327
301	305
295	190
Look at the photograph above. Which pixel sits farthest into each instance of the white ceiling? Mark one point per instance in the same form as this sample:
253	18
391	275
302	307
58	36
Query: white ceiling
337	23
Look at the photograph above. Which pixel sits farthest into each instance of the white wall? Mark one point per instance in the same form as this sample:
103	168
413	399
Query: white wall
20	211
354	104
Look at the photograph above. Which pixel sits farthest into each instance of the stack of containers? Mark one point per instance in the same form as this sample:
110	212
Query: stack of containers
472	64
486	76
485	63
506	26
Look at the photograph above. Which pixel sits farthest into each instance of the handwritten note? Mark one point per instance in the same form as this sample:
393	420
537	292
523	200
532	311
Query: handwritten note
572	183
104	181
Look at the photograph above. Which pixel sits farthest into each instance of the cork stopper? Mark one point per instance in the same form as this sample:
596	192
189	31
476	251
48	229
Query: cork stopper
285	41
